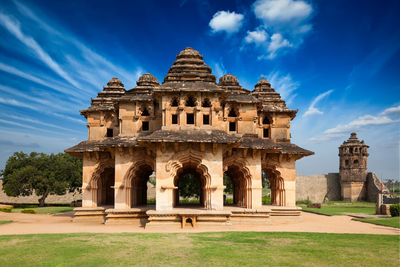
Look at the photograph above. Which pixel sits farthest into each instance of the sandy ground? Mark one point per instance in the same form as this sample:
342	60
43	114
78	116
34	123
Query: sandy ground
308	222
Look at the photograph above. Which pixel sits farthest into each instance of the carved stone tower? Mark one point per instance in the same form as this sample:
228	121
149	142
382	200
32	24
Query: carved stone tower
353	155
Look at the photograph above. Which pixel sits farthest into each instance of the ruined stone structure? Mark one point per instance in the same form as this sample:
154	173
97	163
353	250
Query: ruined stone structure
188	124
352	183
353	171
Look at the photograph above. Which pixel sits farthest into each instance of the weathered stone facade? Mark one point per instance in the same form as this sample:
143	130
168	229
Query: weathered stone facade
187	124
352	183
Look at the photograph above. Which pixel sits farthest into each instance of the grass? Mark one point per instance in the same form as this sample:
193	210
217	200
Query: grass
200	249
392	222
342	207
47	210
4	222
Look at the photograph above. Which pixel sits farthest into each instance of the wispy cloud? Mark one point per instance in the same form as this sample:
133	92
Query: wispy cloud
226	21
30	77
361	122
284	84
392	111
312	110
219	69
14	27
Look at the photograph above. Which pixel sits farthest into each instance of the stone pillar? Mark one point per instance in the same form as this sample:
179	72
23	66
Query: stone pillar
89	167
288	174
255	169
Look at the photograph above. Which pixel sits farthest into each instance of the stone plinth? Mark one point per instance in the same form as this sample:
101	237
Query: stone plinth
89	215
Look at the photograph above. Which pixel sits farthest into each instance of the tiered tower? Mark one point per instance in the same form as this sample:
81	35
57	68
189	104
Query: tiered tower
353	155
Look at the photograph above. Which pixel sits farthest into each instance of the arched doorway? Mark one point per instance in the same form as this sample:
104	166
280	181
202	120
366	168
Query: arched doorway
138	185
237	186
105	187
190	186
277	187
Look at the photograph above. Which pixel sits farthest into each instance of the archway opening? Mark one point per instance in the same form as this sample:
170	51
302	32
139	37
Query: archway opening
235	192
105	187
190	185
276	190
139	186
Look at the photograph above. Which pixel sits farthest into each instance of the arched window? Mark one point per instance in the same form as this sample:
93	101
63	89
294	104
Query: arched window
266	120
232	113
206	103
346	162
190	102
145	112
356	161
174	102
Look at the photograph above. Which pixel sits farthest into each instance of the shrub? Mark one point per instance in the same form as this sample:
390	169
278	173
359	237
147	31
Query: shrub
28	211
314	205
6	209
266	200
305	202
395	210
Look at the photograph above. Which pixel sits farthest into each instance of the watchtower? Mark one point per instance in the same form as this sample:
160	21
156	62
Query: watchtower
353	171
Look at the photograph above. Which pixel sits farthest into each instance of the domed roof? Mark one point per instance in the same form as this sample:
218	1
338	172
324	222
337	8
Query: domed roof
147	79
263	85
189	67
115	82
353	140
228	79
189	52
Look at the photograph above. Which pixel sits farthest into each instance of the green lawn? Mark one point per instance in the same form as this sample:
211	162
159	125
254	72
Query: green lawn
4	222
47	210
392	222
200	249
341	207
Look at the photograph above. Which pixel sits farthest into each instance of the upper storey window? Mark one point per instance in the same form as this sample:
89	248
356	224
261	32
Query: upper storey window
190	102
174	102
145	112
110	132
266	120
206	103
232	113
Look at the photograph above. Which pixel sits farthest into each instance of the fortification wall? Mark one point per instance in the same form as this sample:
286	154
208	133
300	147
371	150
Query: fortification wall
67	198
318	186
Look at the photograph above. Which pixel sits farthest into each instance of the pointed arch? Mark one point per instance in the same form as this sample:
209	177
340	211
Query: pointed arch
192	159
236	168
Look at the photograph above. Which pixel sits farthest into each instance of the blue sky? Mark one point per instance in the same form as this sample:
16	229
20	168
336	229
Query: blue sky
338	62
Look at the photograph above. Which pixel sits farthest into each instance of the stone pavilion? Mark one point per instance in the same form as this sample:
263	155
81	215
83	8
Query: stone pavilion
190	123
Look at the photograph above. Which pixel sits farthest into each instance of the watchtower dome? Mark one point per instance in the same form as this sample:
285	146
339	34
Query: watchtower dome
353	171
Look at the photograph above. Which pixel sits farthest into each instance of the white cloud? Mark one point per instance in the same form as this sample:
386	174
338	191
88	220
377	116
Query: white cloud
312	110
277	42
282	11
257	36
227	21
287	21
391	111
13	26
284	85
361	122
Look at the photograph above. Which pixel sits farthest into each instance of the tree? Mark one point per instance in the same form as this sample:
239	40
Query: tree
41	174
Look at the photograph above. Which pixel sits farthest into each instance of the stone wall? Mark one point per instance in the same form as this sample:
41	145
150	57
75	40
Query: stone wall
318	186
67	198
373	187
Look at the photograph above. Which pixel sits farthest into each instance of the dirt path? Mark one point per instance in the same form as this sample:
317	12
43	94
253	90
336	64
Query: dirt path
61	223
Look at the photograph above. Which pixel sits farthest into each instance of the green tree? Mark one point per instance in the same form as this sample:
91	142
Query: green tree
41	174
189	185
